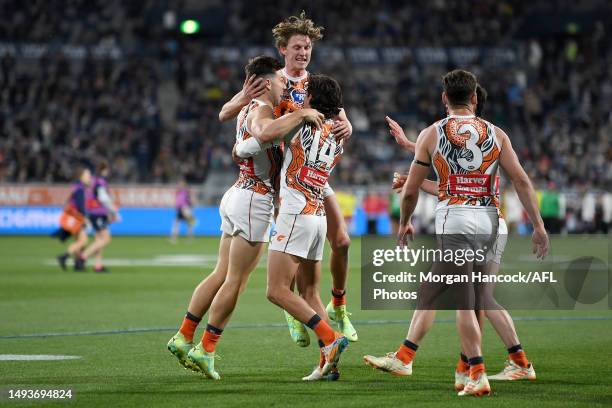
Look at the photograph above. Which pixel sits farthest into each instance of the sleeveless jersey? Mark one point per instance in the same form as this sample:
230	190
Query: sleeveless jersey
260	172
294	94
310	156
93	204
466	160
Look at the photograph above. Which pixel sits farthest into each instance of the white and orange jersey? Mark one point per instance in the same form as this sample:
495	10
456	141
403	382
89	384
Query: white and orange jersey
466	160
260	172
294	95
310	156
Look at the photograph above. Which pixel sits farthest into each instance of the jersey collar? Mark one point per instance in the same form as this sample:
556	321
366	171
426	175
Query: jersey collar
292	78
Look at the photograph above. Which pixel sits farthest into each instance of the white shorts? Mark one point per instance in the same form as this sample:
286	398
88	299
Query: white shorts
300	235
246	213
477	228
500	242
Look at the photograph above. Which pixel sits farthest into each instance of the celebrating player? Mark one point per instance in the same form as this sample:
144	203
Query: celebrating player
296	246
294	38
246	213
102	211
184	212
73	220
517	366
445	143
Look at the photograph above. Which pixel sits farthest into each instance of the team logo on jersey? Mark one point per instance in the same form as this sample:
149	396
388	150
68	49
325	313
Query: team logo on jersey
298	95
280	237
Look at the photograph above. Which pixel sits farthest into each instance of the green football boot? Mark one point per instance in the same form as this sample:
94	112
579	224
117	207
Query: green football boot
179	347
339	315
204	360
298	331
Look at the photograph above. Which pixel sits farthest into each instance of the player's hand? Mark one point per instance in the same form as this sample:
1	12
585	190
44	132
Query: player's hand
253	87
405	235
398	181
117	217
313	116
341	130
237	159
539	242
398	134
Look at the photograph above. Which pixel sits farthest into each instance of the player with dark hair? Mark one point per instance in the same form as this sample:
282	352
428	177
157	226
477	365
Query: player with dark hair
517	366
462	209
294	38
73	220
296	246
246	215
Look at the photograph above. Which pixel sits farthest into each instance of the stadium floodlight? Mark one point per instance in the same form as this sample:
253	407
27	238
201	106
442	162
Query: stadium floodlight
190	27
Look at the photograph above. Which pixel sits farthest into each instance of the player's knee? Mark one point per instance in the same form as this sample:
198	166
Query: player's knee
274	295
341	243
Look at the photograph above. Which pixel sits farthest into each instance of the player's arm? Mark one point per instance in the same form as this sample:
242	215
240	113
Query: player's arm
400	137
260	117
418	173
276	129
428	186
252	88
525	191
106	200
342	128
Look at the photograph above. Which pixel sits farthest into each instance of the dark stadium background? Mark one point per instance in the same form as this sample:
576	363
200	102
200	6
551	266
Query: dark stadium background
87	80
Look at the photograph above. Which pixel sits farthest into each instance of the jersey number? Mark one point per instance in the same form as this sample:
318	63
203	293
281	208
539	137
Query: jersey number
325	154
473	161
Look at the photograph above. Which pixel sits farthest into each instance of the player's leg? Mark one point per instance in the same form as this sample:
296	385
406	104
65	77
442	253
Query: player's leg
243	258
517	366
101	239
339	240
297	330
175	229
282	269
202	297
76	247
309	283
98	264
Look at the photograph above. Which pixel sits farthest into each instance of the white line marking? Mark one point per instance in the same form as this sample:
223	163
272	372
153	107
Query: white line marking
35	357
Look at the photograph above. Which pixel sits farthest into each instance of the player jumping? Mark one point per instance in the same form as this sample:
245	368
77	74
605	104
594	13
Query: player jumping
246	215
294	38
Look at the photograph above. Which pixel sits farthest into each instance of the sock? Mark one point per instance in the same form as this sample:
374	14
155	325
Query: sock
477	367
462	365
211	337
190	322
322	329
338	297
98	265
407	351
519	358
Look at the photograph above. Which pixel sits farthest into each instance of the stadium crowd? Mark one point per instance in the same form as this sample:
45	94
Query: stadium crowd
153	112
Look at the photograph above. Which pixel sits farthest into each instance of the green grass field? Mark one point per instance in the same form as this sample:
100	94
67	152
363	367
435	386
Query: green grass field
119	324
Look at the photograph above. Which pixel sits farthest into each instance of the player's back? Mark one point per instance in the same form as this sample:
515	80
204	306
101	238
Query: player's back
260	172
466	160
310	156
